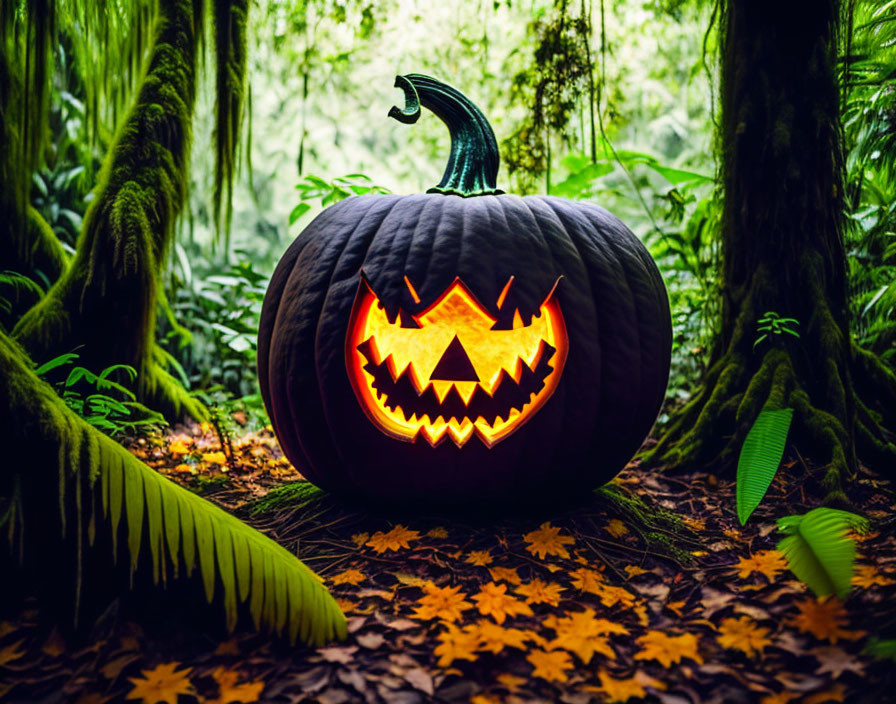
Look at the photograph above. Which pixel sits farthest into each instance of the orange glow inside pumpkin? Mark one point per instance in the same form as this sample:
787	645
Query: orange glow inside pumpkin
418	354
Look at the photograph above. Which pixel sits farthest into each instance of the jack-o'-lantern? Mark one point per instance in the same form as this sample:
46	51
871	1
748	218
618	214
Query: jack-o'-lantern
463	344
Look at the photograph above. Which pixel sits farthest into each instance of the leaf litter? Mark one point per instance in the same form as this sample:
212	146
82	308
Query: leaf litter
585	603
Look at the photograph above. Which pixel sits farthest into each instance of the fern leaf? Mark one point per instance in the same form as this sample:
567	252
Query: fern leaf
759	459
819	551
281	590
235	560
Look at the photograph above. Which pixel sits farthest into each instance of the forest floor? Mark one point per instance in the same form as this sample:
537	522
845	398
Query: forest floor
579	604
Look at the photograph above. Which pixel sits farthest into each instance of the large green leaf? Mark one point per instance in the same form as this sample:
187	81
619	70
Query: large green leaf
819	550
234	559
759	459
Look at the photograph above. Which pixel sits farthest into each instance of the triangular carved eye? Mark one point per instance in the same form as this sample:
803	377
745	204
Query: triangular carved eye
455	364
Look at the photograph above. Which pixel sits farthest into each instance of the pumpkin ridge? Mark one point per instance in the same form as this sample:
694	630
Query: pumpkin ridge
318	376
437	205
275	326
560	396
579	225
626	259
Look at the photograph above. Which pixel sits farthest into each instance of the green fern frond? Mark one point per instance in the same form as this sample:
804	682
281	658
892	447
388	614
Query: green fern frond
759	459
161	523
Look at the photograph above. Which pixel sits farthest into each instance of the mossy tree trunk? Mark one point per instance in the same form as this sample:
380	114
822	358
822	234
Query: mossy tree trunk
782	251
104	303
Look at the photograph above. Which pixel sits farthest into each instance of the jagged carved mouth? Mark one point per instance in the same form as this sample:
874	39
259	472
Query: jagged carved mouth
447	371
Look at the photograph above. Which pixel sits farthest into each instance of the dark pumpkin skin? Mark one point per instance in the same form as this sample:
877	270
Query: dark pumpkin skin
611	295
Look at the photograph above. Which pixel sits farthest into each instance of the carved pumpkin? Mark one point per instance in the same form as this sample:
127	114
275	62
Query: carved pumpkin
463	344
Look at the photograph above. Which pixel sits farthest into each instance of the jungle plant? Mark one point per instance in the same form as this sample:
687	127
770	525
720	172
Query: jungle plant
13	288
212	330
313	188
90	396
759	459
820	550
772	325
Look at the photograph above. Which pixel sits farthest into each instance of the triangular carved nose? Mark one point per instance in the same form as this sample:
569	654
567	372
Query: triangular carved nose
455	365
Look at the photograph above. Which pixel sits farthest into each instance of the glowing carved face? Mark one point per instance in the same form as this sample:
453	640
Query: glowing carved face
452	374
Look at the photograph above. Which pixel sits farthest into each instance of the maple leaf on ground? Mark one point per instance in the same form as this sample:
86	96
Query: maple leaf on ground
456	644
360	538
163	683
493	600
445	603
493	638
634	571
437	532
616	528
622	690
610	596
539	592
550	665
586	580
548	541
479	558
397	538
867	576
767	562
352	577
229	692
506	574
666	649
583	634
824	618
743	634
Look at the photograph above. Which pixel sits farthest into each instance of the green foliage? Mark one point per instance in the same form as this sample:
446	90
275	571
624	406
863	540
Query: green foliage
759	458
161	525
869	113
189	532
101	401
59	188
881	649
213	340
14	284
819	550
772	324
312	188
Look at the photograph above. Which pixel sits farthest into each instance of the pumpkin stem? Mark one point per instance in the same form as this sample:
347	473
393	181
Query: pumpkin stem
472	168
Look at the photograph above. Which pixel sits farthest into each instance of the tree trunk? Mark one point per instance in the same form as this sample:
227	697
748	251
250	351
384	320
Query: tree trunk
782	251
104	304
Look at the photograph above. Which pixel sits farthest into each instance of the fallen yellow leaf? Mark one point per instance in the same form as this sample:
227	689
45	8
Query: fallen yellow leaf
548	541
164	683
397	538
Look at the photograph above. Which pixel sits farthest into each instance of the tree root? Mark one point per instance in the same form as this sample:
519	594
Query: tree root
843	402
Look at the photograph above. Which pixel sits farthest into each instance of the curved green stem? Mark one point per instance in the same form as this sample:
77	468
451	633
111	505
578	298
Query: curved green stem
472	168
